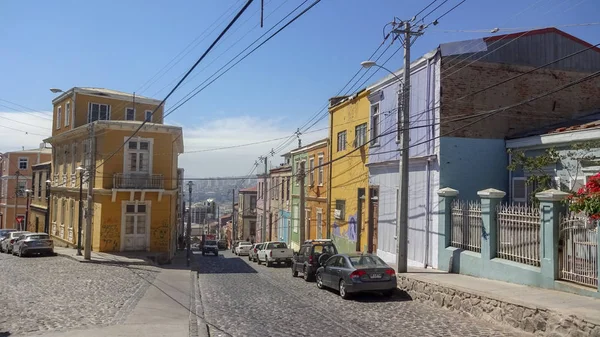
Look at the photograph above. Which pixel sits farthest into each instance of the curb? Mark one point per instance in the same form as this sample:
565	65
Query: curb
198	326
146	262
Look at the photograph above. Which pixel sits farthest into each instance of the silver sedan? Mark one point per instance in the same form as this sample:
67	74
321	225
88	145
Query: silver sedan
353	273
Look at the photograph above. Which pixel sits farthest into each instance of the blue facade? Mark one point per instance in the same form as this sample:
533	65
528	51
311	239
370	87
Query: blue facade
284	223
473	164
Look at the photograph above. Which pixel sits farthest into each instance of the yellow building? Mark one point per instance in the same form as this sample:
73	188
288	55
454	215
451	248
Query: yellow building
135	185
348	173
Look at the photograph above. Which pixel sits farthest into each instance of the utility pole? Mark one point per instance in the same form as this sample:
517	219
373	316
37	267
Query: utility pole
233	231
265	191
17	201
301	175
188	234
79	226
87	254
403	124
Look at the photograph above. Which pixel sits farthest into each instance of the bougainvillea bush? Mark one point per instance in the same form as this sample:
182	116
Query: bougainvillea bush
587	199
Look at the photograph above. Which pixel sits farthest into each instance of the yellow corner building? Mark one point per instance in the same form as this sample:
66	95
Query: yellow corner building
348	173
135	184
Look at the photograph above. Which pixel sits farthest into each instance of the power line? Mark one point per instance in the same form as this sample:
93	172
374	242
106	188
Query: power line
184	77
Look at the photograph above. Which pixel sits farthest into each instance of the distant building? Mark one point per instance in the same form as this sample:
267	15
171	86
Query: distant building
246	220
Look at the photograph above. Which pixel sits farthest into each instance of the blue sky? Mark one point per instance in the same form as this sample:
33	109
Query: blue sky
122	44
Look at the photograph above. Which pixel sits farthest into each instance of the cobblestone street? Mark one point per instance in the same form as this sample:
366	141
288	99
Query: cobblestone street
241	298
39	294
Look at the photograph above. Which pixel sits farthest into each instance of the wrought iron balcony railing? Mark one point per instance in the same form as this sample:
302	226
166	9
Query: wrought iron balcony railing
138	181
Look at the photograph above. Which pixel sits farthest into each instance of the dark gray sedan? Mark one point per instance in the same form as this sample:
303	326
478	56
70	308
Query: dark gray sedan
33	243
353	273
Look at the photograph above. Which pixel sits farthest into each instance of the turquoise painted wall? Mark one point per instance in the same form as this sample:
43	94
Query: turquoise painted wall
295	215
471	164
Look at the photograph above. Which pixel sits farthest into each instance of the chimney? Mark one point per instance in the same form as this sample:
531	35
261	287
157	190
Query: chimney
333	101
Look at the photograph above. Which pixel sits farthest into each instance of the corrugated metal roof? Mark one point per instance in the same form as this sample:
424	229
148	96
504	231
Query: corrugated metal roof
585	126
249	189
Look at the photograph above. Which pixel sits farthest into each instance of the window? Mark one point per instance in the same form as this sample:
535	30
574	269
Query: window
252	202
63	209
341	141
135	219
71	213
73	157
21	187
148	116
138	156
39	184
311	167
130	114
98	112
519	190
23	163
287	182
55	208
64	158
375	124
295	220
319	223
340	209
58	116
259	192
297	171
276	189
361	135
67	113
321	169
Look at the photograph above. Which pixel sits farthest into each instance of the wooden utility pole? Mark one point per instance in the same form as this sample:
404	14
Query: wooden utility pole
87	254
300	177
188	234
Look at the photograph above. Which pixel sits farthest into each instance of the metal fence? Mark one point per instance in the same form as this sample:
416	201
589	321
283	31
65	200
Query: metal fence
518	233
466	225
578	250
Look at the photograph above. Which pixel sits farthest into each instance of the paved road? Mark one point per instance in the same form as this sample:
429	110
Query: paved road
241	298
40	294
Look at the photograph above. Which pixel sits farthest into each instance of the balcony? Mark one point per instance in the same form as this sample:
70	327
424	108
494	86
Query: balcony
138	181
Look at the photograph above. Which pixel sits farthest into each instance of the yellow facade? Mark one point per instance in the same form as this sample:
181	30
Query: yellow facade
349	175
135	186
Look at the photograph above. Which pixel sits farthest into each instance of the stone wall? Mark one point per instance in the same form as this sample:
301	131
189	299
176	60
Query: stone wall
538	321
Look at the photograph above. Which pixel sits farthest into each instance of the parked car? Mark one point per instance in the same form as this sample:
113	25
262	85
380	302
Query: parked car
353	273
4	234
243	248
33	243
7	244
275	252
222	244
210	246
312	254
253	253
234	246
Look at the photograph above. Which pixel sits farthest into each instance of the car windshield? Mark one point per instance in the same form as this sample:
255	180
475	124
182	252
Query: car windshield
245	244
325	249
277	245
211	243
38	237
15	234
366	261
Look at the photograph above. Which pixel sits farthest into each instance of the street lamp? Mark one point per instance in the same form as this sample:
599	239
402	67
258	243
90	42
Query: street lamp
403	144
47	220
26	224
80	170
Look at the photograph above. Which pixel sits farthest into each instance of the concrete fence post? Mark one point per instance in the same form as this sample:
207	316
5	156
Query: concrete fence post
551	206
490	199
447	196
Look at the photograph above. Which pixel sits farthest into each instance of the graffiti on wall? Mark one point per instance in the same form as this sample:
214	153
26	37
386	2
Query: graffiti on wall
348	232
110	236
159	237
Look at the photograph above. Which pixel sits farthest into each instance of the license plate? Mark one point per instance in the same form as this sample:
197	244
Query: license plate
375	275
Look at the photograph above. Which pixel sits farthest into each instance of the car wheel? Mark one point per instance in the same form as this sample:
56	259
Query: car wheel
388	293
305	274
269	264
343	293
319	281
258	260
249	258
294	271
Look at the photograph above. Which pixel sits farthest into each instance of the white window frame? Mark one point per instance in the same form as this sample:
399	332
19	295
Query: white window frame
127	151
512	189
58	116
295	221
341	146
26	160
108	108
358	142
148	117
71	213
55	213
127	116
124	213
375	124
20	192
63	211
319	219
321	161
297	169
67	113
311	168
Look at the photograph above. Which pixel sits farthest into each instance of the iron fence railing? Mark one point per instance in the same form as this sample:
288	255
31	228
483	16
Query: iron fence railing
138	181
578	249
466	225
518	233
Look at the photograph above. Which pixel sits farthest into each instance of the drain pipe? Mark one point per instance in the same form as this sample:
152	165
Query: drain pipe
427	212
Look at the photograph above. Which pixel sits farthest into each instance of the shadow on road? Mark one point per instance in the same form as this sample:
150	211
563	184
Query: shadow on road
374	297
222	265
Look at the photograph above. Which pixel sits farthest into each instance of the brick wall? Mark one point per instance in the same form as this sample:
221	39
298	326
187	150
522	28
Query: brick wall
574	101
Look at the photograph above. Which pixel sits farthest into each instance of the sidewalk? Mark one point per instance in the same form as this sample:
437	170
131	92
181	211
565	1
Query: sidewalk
98	257
534	310
166	309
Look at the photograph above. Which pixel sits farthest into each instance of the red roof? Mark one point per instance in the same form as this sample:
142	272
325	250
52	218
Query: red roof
249	189
588	125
